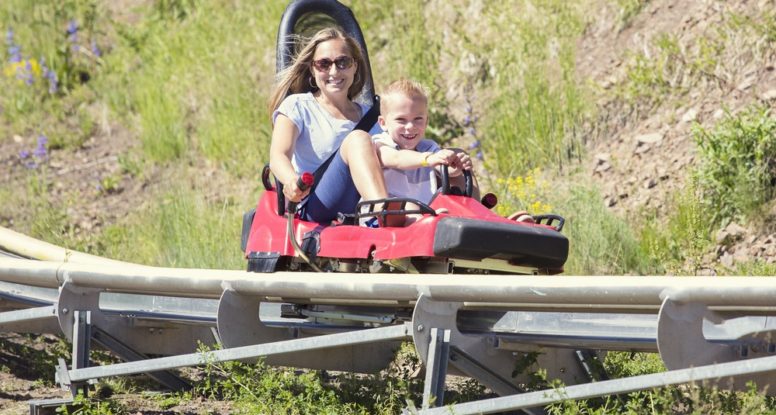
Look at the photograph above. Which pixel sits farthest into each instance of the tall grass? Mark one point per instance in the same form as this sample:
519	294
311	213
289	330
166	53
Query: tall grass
216	71
600	243
182	229
538	104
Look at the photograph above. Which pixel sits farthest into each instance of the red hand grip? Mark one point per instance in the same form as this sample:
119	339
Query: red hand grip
305	181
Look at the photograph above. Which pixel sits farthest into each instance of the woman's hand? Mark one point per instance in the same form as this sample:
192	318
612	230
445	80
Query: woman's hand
292	191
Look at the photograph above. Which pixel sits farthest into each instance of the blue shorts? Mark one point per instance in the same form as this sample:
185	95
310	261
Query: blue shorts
334	193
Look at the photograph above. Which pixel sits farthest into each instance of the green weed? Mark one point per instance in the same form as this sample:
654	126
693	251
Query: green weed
628	10
600	242
738	164
83	405
678	241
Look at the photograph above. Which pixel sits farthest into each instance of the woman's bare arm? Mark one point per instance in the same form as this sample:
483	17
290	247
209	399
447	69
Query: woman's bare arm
284	136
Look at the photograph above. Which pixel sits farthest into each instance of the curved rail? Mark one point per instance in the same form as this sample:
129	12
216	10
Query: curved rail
625	292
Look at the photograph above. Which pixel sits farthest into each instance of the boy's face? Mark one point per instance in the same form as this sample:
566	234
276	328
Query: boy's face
405	120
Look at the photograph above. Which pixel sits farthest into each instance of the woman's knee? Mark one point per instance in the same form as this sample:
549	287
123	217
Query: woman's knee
357	142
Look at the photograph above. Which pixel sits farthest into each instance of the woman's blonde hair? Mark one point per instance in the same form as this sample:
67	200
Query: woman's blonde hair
298	78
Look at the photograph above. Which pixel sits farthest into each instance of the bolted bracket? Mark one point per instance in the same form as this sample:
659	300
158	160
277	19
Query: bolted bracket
479	356
689	334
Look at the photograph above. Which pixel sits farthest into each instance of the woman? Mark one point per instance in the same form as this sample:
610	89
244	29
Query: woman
314	115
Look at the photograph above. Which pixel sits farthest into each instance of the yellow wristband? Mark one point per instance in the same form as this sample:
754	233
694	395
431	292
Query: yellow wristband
424	163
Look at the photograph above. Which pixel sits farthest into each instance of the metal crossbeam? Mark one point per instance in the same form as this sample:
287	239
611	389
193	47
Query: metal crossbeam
28	315
397	332
609	387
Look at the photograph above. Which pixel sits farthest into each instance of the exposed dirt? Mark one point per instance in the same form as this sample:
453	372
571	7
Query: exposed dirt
641	153
24	360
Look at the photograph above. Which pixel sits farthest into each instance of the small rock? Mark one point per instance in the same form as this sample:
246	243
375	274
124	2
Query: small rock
602	167
650	183
746	83
740	256
690	115
732	233
602	157
768	95
652	138
718	114
17	138
726	260
610	201
641	148
705	272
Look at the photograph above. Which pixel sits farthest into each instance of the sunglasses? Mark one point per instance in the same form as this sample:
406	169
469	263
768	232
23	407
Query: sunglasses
342	63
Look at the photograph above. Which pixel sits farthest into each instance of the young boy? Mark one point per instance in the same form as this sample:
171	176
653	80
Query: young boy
409	160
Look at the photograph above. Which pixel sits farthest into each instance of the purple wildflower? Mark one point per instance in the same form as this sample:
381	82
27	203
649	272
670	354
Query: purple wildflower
29	163
28	76
96	49
466	120
9	37
40	151
53	81
50	75
72	34
16	54
479	155
474	145
473	131
72	27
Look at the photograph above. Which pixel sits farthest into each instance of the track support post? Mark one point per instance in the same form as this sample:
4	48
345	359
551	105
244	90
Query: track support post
436	369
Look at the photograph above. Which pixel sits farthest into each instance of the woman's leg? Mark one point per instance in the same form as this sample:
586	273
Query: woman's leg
360	156
334	192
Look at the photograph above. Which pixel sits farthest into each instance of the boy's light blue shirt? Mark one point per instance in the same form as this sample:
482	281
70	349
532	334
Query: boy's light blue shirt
419	184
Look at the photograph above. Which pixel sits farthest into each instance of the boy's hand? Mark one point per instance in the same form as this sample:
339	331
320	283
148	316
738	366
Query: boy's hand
461	162
441	157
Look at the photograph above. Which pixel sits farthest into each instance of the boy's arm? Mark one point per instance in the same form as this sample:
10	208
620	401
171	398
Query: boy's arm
411	159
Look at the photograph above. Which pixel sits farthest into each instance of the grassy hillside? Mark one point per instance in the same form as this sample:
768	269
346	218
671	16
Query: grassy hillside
172	89
136	130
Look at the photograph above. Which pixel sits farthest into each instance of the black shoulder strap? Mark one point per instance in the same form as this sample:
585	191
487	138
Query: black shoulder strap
370	118
365	124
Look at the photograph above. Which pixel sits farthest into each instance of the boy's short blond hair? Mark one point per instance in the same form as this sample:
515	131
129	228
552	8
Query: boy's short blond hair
407	87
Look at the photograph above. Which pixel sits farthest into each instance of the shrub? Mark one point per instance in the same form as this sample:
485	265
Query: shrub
738	163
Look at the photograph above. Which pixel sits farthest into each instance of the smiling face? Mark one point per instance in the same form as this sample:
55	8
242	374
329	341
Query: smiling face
333	67
405	118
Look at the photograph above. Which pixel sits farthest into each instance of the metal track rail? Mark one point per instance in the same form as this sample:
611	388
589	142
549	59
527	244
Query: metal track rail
625	293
